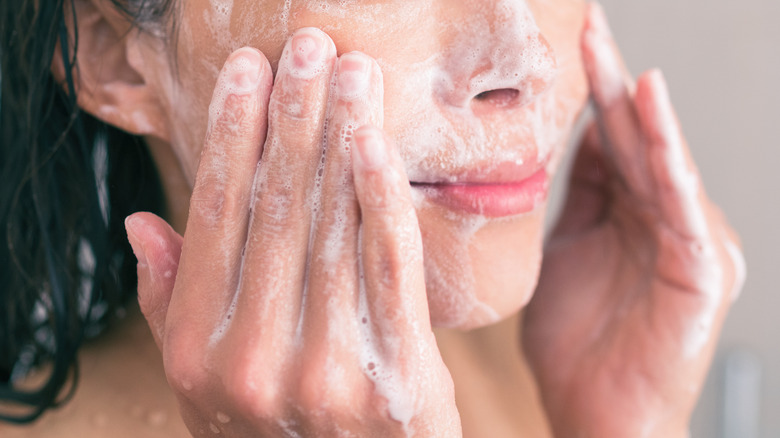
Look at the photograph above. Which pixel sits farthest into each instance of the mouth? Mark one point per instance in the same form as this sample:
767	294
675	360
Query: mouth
493	195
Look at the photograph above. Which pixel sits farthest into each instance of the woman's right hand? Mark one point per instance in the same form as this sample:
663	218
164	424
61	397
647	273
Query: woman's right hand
297	306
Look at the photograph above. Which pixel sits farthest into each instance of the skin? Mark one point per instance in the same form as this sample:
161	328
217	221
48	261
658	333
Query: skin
272	312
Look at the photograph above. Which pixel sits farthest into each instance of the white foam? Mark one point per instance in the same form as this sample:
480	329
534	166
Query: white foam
382	369
218	21
222	417
439	132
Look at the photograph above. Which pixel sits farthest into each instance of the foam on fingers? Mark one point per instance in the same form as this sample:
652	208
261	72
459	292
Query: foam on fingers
677	180
219	205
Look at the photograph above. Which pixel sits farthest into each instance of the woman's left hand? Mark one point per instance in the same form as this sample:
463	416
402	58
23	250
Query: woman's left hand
639	272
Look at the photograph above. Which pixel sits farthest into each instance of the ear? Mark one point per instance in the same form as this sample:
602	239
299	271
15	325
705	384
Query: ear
112	79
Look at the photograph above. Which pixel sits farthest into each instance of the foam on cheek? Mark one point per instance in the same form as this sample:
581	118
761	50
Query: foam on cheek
451	283
443	134
471	309
230	32
359	13
218	21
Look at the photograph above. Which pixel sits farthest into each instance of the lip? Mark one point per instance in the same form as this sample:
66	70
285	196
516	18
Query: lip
497	198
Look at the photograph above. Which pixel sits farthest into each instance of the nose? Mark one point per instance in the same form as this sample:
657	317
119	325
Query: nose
496	58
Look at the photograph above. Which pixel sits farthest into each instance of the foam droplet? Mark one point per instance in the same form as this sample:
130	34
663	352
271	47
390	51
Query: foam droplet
222	417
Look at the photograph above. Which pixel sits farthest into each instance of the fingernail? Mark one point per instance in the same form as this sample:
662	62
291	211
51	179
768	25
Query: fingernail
131	226
372	151
245	70
308	49
353	75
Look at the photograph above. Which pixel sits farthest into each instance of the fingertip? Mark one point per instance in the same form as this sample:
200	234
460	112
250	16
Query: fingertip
151	238
656	112
158	248
607	74
651	83
246	71
308	53
133	225
597	18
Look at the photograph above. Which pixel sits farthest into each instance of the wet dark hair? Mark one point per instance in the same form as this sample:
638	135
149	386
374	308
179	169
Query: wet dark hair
68	182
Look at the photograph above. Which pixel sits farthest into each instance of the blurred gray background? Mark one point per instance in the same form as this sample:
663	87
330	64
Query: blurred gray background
722	62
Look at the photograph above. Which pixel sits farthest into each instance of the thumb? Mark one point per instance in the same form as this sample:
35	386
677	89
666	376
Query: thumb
158	248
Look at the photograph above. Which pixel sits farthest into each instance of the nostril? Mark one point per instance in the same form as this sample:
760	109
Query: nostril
499	98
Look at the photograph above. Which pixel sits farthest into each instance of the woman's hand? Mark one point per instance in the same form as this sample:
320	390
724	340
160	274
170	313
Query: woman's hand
638	274
298	305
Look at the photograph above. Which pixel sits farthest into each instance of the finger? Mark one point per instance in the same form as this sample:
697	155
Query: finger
330	312
677	183
219	206
158	248
398	344
277	245
612	89
396	305
689	260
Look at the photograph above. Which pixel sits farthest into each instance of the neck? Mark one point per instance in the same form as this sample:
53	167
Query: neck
494	387
176	188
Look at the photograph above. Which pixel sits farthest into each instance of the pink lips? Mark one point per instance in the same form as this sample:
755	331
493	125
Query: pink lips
492	199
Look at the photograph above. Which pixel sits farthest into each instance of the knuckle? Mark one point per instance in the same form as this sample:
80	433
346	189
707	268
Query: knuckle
293	108
279	201
298	100
257	396
274	203
236	118
330	389
214	204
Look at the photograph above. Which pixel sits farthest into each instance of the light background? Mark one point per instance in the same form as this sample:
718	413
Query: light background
722	61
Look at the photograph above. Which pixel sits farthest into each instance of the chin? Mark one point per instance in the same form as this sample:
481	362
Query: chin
480	271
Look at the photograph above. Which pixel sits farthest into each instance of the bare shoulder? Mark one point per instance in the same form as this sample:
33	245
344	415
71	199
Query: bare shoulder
122	392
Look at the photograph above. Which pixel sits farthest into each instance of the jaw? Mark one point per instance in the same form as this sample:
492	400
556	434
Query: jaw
479	270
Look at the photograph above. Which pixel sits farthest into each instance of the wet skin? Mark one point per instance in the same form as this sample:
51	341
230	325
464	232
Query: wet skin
291	286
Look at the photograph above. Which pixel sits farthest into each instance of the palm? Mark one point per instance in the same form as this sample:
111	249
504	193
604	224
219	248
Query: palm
634	282
609	317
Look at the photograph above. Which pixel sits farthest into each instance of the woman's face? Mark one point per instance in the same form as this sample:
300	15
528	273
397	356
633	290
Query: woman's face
481	93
